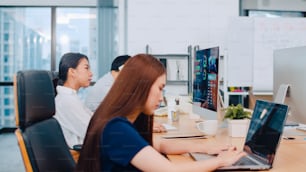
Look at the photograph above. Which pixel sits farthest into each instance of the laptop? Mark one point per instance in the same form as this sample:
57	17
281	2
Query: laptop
263	137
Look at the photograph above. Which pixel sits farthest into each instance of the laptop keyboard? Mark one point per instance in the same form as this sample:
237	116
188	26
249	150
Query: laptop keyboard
245	161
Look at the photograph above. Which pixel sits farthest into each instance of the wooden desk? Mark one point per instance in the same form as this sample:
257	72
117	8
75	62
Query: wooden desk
290	155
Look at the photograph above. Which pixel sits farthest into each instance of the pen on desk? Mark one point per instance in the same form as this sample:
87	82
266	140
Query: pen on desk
288	138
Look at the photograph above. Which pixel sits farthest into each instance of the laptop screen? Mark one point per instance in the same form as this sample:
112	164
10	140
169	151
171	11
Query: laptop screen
265	129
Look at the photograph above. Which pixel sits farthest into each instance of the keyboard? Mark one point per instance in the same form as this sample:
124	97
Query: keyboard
291	123
245	161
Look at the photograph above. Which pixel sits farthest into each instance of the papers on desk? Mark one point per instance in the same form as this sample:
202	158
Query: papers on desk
299	130
184	136
301	127
201	156
169	127
291	123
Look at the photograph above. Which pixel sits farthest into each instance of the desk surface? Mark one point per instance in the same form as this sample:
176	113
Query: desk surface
289	157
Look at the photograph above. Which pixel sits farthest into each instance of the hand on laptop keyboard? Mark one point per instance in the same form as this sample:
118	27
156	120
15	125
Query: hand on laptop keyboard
245	161
230	156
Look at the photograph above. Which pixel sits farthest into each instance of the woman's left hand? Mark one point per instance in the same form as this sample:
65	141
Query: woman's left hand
158	128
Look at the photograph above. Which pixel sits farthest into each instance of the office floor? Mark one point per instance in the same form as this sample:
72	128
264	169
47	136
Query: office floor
10	157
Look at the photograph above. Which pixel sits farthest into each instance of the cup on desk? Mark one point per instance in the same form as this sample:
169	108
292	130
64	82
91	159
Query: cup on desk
208	127
175	116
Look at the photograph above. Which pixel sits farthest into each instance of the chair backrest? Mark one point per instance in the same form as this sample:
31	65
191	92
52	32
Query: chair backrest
44	143
55	79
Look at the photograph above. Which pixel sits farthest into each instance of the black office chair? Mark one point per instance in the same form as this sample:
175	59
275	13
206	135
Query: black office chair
40	138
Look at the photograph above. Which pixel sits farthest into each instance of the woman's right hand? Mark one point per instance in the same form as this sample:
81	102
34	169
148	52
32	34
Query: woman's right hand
230	156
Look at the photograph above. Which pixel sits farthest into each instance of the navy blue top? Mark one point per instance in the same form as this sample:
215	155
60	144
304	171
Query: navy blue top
119	144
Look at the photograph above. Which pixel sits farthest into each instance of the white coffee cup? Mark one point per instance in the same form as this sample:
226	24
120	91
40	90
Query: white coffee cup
208	127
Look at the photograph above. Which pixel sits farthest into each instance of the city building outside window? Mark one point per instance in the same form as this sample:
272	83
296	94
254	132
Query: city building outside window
26	40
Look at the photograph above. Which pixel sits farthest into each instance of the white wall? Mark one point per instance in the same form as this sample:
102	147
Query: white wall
169	26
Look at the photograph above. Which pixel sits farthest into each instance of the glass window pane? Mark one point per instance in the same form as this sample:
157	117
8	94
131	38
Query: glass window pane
6	101
6	26
6	106
6	37
7	91
5	58
6	69
76	32
25	43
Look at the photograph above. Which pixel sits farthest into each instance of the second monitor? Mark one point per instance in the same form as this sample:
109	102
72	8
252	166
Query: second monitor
205	83
289	69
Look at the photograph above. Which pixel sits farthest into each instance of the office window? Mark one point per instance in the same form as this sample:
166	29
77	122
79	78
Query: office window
6	26
6	69
7	112
6	37
5	48
6	107
7	78
76	30
29	40
26	40
5	58
7	90
6	101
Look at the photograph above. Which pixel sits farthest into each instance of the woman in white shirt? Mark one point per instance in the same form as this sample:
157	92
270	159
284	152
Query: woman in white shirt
71	113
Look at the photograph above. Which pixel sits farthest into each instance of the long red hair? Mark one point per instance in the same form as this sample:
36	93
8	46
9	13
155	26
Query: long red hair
128	95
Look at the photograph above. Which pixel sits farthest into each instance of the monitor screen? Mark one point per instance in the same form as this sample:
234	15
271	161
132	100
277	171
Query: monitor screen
205	82
289	68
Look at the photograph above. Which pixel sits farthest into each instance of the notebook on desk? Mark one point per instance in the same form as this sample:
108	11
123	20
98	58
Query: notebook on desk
184	136
262	140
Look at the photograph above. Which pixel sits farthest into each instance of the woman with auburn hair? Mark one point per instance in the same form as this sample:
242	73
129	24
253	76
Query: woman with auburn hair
119	136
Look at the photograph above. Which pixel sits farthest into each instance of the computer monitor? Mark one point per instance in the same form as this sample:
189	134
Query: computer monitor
289	68
205	83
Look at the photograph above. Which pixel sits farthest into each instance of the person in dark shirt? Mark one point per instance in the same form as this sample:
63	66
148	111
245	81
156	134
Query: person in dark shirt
119	136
